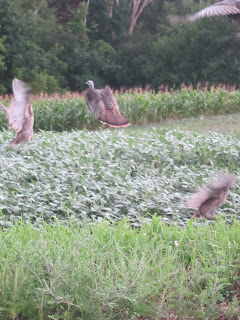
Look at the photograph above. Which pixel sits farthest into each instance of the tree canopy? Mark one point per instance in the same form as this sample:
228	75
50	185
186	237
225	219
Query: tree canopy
59	45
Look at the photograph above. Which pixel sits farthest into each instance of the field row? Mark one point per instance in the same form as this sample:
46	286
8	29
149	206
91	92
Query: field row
112	174
139	108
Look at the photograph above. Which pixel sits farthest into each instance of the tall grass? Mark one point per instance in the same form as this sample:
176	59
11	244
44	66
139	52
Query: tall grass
99	272
61	113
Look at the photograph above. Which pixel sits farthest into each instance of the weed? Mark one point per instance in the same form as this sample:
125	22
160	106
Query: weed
98	271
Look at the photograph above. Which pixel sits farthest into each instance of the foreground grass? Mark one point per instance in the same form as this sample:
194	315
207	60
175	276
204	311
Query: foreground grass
97	271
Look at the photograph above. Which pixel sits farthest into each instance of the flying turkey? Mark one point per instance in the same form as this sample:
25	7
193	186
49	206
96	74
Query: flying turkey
20	113
103	105
211	197
229	8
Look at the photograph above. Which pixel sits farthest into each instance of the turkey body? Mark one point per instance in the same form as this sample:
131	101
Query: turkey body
103	105
20	113
211	197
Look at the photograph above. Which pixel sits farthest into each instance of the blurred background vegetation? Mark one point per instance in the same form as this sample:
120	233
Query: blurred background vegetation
57	45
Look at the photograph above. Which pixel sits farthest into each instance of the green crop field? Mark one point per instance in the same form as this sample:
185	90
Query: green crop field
93	223
68	112
112	174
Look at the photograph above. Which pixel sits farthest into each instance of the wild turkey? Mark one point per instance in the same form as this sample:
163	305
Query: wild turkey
20	113
103	105
211	197
229	8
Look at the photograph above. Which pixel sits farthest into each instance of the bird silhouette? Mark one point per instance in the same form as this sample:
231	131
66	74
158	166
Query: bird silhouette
104	107
20	113
211	197
229	8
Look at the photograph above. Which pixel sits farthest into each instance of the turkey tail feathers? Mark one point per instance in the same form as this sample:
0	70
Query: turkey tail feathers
115	120
211	197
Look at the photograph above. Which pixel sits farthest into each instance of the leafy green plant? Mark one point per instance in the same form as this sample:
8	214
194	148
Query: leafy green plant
111	174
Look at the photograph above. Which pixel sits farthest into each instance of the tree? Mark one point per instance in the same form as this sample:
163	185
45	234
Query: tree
65	10
137	9
86	12
33	6
30	42
56	44
85	60
198	52
2	62
114	18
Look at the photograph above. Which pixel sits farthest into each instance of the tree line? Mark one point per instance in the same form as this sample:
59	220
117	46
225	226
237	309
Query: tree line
56	45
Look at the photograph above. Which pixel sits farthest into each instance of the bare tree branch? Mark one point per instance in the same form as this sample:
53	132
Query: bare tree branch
109	7
86	12
138	6
137	9
39	7
110	4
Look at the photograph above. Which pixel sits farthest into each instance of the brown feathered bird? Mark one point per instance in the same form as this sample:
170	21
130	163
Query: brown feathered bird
20	113
229	8
211	197
103	105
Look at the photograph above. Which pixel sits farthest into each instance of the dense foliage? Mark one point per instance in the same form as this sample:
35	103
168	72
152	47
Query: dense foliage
102	272
55	45
65	114
112	174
